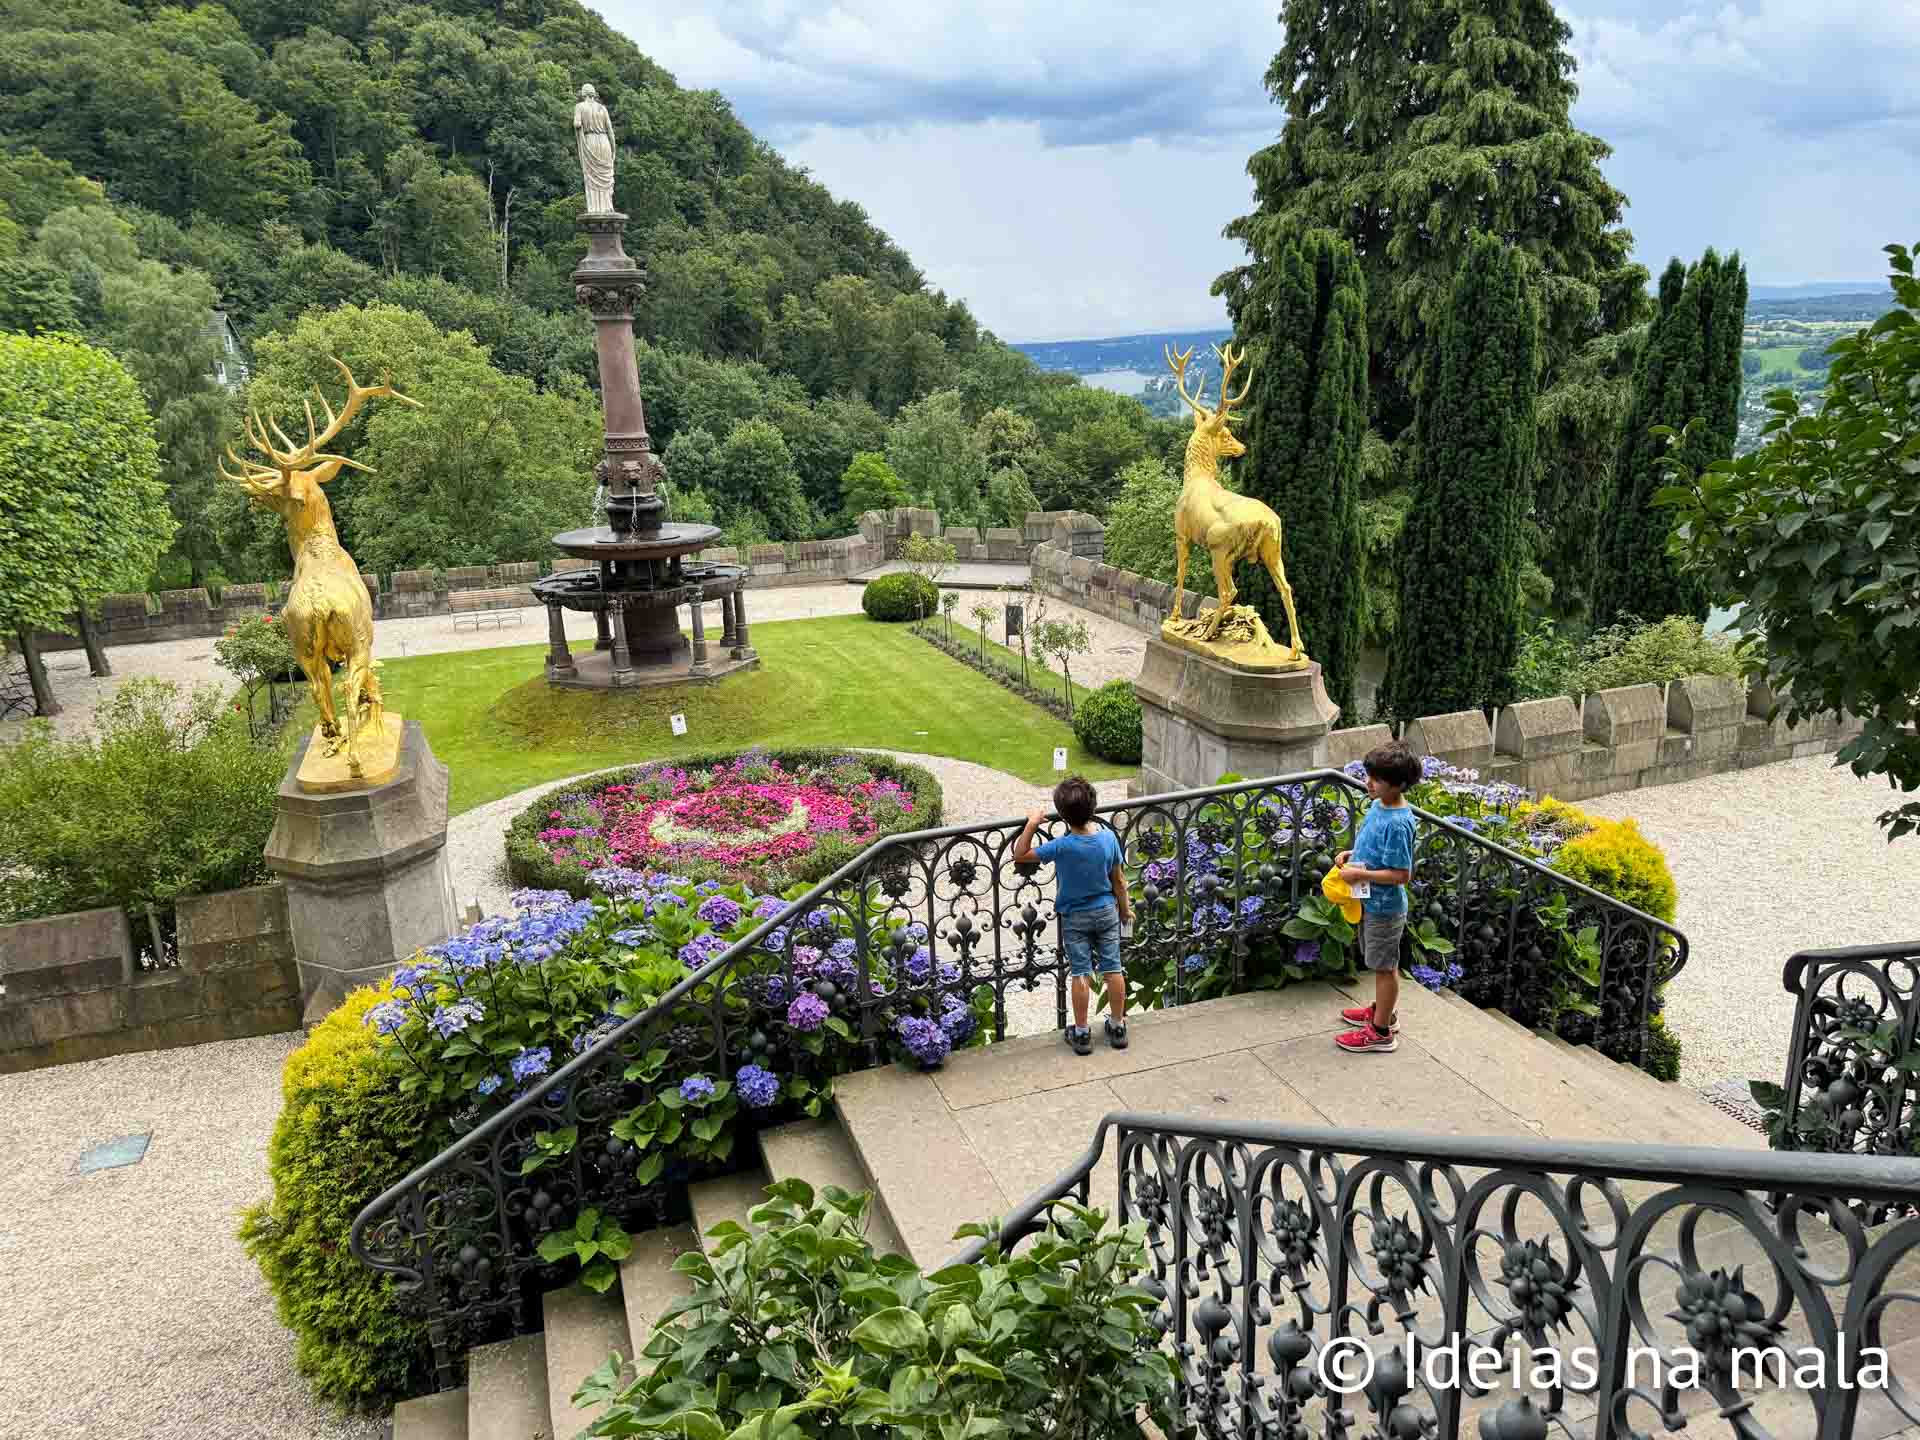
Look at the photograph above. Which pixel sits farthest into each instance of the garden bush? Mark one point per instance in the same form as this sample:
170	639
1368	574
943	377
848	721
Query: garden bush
346	1132
770	819
900	596
256	651
1617	860
1633	652
795	1328
1107	722
166	796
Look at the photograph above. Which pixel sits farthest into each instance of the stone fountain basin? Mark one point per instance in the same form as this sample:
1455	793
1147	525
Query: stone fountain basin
601	542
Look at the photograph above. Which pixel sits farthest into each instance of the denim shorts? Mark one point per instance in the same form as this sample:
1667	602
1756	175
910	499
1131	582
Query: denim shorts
1088	931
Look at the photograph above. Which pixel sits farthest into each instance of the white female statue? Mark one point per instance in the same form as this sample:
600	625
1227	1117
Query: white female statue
593	129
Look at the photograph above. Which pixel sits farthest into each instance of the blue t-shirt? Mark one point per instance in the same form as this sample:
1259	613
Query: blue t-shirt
1083	865
1385	842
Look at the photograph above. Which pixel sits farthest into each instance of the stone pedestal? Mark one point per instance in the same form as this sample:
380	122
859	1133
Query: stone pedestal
1201	719
366	874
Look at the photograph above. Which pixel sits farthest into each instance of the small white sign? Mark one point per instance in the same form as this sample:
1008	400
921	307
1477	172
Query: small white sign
1059	757
1360	890
679	723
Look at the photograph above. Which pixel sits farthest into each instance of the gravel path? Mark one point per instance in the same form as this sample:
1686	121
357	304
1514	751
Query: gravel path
133	1310
1768	861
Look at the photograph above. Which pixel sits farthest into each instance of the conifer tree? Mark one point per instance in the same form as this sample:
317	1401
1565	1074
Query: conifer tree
1462	550
1303	319
1690	367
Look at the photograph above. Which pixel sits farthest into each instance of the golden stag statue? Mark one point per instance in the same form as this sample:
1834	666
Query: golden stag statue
328	613
1231	527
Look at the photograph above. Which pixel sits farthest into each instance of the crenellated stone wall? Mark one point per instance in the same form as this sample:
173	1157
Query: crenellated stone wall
71	988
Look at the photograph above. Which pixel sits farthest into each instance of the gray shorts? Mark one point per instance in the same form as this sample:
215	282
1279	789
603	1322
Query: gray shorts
1380	939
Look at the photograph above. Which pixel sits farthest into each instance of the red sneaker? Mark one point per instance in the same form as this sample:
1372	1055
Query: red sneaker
1363	1015
1367	1041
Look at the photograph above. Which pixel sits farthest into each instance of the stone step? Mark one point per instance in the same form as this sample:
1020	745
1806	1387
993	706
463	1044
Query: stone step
582	1330
1671	1115
649	1285
730	1197
432	1417
1499	1017
819	1152
507	1390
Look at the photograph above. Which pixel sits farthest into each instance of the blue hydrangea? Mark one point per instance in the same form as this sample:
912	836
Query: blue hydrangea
819	919
702	949
1448	973
529	901
595	1033
669	882
1251	907
415	978
1307	952
846	949
386	1017
768	906
450	1020
632	935
1214	915
924	1040
775	940
696	1089
958	1021
707	887
1193	963
618	882
719	912
758	1088
916	932
530	1063
808	1012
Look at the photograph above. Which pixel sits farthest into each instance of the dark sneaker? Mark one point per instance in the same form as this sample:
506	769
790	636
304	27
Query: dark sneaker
1081	1039
1116	1034
1367	1041
1363	1015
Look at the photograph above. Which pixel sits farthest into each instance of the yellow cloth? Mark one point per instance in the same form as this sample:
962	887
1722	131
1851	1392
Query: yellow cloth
1337	890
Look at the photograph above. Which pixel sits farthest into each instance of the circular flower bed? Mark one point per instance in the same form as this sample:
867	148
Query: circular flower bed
766	819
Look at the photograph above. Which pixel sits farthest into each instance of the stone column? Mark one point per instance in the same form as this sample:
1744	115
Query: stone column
365	871
729	633
603	634
96	655
700	666
559	656
622	661
741	649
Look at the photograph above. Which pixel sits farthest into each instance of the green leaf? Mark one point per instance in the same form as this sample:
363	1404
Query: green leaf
555	1247
1875	533
971	1363
893	1329
599	1277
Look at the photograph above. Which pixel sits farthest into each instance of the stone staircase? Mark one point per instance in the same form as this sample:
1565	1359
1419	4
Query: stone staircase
971	1140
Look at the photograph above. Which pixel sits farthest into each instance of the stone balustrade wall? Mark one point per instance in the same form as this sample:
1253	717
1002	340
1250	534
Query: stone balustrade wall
71	987
191	614
1572	747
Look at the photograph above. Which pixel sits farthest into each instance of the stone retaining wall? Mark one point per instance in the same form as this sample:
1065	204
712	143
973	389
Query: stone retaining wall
71	988
1572	747
191	614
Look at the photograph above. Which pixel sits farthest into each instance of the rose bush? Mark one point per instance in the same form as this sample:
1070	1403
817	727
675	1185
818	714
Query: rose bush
768	819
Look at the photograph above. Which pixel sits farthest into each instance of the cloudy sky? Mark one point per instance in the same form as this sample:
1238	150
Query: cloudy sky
1067	165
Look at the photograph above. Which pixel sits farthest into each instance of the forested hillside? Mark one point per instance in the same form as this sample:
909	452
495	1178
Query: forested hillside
397	183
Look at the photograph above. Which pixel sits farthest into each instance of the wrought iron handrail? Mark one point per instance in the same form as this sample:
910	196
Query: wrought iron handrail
935	916
1388	1240
1853	1070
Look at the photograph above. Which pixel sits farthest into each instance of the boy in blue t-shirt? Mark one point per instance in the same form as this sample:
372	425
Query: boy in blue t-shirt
1091	900
1382	859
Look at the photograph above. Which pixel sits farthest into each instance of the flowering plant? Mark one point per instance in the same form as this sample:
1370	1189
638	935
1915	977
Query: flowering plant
771	820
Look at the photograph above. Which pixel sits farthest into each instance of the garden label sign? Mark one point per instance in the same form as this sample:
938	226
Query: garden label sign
1059	757
679	723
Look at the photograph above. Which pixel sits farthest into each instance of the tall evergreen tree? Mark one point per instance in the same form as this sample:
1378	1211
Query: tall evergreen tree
1303	319
1462	550
1412	124
1690	367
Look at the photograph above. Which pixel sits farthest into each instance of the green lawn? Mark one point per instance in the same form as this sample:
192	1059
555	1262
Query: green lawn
847	680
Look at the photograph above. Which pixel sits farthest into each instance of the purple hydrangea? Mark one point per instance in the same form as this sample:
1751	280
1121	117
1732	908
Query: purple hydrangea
599	1031
1211	916
958	1021
1161	873
807	1012
701	949
845	949
414	978
805	958
758	1088
1449	973
819	919
707	887
618	882
924	1039
529	902
1307	952
386	1017
450	1020
632	935
529	1063
1251	907
489	1085
696	1089
768	906
719	912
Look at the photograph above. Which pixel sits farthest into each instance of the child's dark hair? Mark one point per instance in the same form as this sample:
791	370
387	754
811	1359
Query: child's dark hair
1395	763
1073	797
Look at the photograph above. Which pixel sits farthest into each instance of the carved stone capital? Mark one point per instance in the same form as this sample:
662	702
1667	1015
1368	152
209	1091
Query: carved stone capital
607	302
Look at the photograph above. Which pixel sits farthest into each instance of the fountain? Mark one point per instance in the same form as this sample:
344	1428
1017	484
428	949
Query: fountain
632	573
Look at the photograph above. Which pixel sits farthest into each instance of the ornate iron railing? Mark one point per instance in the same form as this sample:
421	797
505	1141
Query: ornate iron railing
935	918
1853	1072
1317	1283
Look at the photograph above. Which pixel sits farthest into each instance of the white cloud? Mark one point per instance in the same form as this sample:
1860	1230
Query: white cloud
1067	167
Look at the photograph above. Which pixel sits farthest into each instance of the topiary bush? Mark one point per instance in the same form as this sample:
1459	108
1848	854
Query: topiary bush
1617	860
767	818
1108	723
900	596
346	1133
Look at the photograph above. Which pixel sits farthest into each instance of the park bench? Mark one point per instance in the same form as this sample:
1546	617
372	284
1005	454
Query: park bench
473	606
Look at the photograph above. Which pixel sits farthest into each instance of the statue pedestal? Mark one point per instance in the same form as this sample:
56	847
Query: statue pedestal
365	871
1201	719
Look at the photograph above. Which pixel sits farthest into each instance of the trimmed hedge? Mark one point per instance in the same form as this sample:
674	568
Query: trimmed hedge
529	864
1108	723
900	596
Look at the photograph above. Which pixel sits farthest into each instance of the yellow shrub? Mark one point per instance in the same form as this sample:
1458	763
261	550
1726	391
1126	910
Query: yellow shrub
1616	859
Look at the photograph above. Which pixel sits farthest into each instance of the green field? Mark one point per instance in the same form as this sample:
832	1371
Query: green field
847	680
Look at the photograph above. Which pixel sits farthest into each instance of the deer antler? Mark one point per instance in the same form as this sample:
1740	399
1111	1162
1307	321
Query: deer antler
1230	360
261	480
1178	364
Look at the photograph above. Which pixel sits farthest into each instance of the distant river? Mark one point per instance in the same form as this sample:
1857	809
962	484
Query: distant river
1121	382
